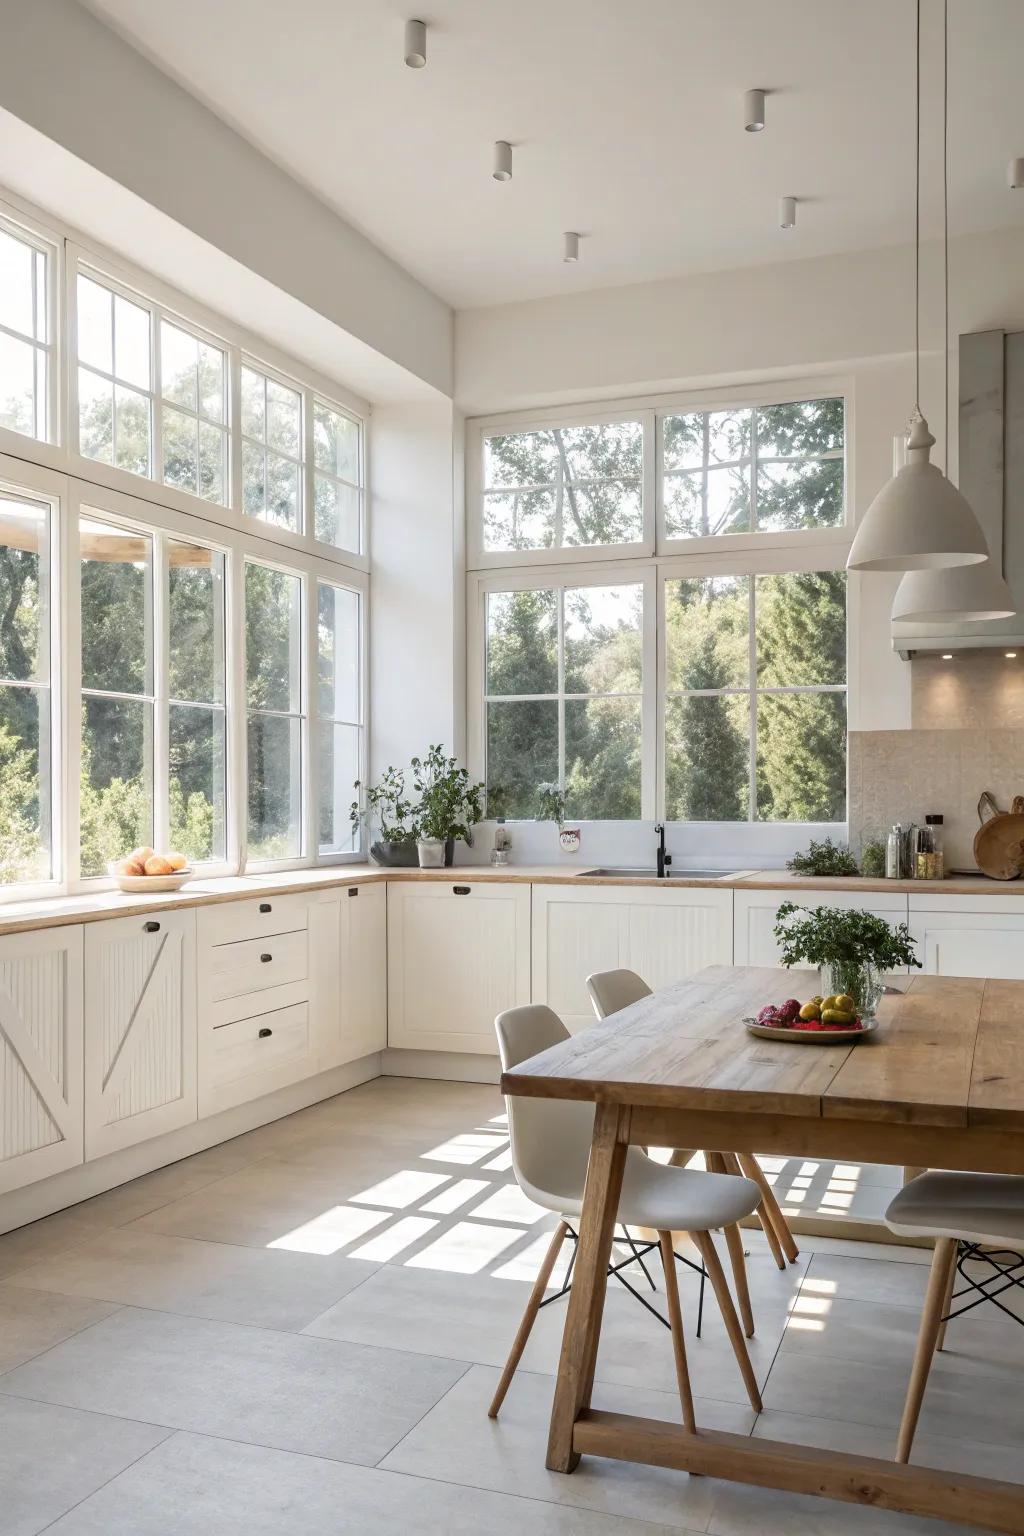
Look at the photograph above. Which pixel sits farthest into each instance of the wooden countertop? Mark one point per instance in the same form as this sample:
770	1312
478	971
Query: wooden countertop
90	907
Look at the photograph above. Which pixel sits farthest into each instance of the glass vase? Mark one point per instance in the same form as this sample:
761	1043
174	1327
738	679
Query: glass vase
857	979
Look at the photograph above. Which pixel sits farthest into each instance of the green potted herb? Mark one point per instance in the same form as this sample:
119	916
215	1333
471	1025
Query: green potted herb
824	858
449	807
387	805
852	949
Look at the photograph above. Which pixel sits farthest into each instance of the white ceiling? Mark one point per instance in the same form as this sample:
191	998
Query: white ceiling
626	121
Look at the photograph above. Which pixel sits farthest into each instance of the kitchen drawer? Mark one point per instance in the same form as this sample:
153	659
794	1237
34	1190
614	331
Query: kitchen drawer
232	921
253	965
268	1043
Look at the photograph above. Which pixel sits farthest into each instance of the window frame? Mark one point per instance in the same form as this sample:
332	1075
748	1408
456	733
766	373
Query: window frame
318	720
38	236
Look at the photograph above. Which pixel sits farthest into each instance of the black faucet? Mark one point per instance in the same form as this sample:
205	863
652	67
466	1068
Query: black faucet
664	859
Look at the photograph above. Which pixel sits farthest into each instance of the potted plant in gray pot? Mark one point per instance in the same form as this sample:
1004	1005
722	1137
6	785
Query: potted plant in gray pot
449	807
396	818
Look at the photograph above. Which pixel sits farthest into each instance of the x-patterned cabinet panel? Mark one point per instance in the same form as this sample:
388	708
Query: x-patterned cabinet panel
140	1029
662	932
40	1055
458	954
756	911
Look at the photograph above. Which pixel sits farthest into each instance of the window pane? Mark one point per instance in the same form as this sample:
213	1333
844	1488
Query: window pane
707	633
335	442
282	492
17	385
197	782
610	448
253	486
338	660
805	494
707	757
24	591
284	418
603	640
339	770
336	513
212	378
181	465
683	441
728	501
684	505
597	471
16	307
24	785
212	460
131	430
799	429
95	329
522	754
602	758
728	436
801	757
254	404
275	787
273	631
522	642
116	812
521	458
116	583
179	365
95	417
801	628
606	513
131	342
519	520
195	618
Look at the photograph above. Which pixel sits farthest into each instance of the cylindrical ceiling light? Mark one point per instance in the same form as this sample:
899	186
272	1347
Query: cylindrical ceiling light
570	246
502	161
787	212
415	44
1015	173
753	111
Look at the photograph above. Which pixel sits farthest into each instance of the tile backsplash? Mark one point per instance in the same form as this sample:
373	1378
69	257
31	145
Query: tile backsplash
973	691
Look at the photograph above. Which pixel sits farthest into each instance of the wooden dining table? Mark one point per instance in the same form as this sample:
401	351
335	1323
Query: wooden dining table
939	1084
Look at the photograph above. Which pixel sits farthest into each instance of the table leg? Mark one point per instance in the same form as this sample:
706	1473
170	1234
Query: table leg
582	1333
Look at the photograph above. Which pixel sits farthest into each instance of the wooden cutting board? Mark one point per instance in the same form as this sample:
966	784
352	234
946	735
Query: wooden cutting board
999	841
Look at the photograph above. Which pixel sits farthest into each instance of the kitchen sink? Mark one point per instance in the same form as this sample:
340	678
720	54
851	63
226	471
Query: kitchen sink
650	873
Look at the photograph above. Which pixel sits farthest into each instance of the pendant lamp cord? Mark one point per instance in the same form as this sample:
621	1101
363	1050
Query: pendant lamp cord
917	216
945	219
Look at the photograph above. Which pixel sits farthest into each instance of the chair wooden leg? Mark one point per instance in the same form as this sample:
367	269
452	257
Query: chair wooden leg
540	1285
947	1302
938	1281
716	1275
728	1162
751	1169
734	1243
675	1315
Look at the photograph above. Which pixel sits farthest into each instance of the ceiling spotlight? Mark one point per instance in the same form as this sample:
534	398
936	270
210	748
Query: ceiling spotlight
1015	173
753	111
502	161
787	212
1011	655
947	655
570	246
415	44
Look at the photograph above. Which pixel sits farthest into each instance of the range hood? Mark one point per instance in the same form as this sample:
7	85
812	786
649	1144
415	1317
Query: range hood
991	457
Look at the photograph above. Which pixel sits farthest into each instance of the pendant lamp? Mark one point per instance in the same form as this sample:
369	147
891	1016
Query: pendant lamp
918	521
963	594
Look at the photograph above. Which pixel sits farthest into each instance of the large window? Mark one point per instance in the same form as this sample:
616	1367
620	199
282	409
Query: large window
272	450
25	705
197	704
193	382
340	713
115	398
26	343
276	711
337	477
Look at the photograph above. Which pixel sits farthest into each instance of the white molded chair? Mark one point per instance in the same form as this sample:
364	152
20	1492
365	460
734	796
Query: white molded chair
969	1215
610	992
550	1141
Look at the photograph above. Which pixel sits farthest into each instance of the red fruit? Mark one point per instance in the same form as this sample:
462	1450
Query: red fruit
768	1015
790	1010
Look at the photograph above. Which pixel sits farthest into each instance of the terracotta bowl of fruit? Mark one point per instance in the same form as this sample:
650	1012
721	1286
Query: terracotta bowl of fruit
146	870
819	1021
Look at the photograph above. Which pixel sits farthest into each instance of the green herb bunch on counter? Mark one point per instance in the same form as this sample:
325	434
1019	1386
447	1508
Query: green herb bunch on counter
824	858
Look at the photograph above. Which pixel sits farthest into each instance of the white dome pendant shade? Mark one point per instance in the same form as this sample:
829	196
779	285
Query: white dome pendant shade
918	521
960	594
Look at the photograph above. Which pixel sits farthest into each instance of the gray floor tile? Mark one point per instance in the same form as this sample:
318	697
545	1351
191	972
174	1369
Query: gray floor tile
979	1458
31	1322
195	1487
50	1235
50	1458
311	1395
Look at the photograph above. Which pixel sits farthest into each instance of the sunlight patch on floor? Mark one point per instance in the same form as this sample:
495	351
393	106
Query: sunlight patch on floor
330	1231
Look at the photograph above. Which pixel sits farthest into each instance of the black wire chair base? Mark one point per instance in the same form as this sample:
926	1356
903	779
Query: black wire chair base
1005	1271
636	1255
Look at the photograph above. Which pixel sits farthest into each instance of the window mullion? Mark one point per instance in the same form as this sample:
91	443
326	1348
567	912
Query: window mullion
237	713
161	691
752	705
310	729
156	431
561	688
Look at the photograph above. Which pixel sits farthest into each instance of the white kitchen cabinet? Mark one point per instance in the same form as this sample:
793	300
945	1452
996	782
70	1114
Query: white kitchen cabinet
40	1054
754	914
140	1029
348	944
458	954
663	932
979	936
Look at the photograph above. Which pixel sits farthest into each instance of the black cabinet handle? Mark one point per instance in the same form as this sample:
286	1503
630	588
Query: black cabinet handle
151	927
353	890
264	1034
265	906
460	890
264	958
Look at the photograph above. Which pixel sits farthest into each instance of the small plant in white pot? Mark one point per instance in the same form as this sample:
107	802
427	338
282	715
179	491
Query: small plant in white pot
551	807
449	807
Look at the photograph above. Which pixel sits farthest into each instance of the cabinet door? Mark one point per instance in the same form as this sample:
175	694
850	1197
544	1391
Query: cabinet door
348	966
662	933
40	1054
970	943
755	913
458	954
140	1029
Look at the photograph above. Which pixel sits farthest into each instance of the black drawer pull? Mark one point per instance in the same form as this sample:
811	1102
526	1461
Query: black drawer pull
265	958
353	890
265	906
460	890
151	927
264	1034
